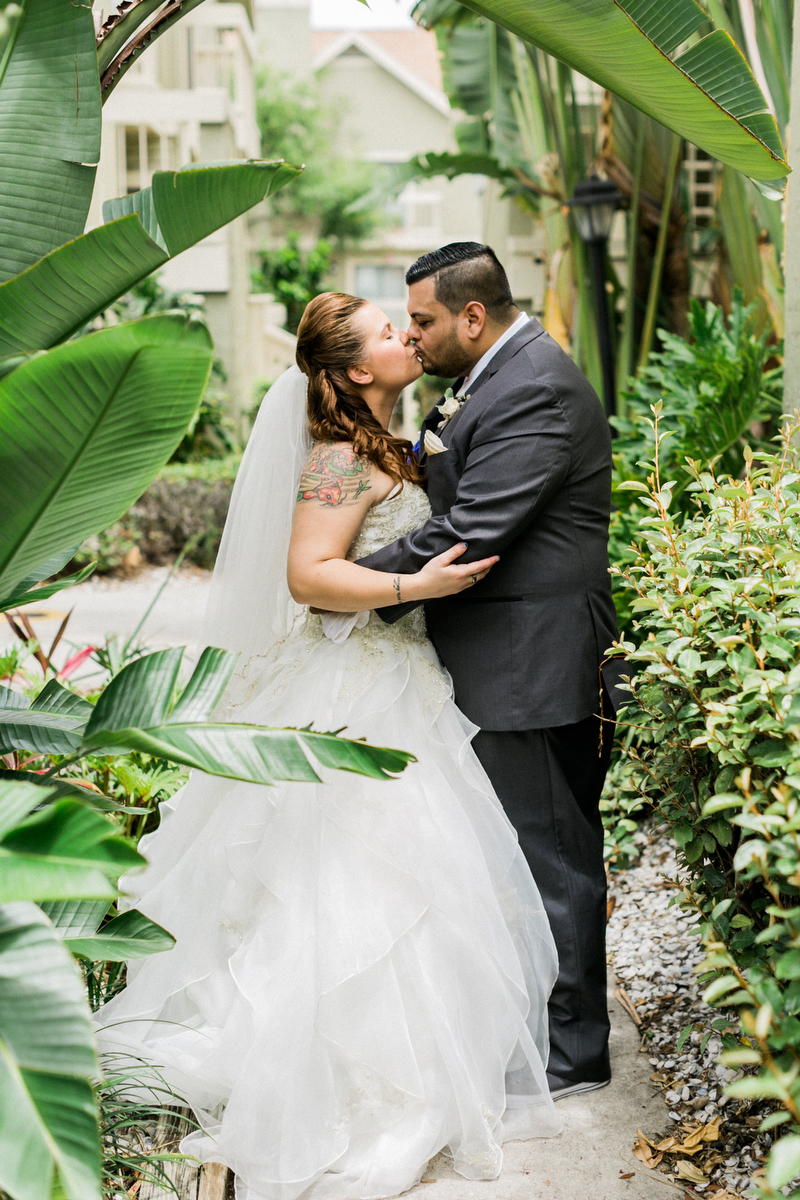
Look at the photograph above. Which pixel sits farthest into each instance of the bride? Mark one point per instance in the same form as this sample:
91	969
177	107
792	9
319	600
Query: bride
362	968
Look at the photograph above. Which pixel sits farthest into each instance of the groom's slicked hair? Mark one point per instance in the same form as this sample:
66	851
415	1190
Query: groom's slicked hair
465	271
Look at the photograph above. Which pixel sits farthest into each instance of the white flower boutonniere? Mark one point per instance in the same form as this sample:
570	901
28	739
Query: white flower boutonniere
433	444
450	406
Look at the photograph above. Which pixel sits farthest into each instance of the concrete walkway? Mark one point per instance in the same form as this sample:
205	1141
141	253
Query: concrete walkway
586	1161
104	606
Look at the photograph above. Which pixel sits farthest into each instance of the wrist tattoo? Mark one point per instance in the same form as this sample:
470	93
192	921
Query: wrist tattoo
396	586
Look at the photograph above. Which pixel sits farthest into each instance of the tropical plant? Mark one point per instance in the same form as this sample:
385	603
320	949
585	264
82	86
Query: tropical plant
706	94
58	852
526	130
130	390
291	276
750	230
716	392
716	717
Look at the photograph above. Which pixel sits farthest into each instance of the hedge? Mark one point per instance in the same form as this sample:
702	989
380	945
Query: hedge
712	735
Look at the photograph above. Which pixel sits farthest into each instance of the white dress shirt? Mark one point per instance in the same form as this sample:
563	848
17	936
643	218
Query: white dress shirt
483	362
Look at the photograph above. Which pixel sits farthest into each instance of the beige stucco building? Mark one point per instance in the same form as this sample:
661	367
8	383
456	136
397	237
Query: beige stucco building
191	98
386	87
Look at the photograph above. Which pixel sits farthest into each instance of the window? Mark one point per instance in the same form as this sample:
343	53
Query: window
423	207
146	151
380	283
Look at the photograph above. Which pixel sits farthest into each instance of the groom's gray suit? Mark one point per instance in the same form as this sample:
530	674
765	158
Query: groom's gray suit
527	475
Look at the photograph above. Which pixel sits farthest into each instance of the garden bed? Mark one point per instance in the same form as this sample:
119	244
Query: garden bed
184	508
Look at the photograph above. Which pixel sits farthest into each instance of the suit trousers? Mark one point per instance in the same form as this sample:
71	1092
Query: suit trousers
549	782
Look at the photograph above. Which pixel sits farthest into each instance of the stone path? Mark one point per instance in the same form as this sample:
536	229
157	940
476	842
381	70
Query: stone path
589	1159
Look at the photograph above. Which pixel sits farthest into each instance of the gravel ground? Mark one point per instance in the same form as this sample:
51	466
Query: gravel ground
708	1143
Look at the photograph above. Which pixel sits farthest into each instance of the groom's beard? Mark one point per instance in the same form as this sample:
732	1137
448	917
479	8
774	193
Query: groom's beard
450	359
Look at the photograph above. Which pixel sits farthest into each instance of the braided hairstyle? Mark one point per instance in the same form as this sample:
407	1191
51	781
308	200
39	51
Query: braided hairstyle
327	344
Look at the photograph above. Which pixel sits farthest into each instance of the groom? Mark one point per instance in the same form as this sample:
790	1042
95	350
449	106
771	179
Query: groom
523	469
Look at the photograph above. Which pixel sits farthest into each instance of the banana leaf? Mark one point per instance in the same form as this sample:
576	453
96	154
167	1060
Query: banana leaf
56	296
136	712
86	426
49	130
127	936
62	851
706	94
52	724
49	1141
32	590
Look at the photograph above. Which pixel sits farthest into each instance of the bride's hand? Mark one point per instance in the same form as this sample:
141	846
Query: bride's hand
443	576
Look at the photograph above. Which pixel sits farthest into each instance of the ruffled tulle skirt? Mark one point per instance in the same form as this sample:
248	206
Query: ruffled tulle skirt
362	968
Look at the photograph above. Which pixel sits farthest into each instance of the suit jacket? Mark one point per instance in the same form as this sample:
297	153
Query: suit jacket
526	475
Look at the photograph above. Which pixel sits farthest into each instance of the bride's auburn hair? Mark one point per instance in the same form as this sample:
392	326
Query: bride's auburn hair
327	344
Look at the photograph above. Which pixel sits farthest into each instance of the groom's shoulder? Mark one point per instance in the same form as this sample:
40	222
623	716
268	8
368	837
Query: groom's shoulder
538	364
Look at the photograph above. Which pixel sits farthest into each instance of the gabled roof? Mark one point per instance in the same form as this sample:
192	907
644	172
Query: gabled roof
340	43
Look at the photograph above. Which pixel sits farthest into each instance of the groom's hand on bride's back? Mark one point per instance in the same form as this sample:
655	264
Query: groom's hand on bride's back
444	576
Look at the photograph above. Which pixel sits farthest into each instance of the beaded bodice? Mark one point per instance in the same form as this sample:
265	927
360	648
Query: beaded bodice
393	518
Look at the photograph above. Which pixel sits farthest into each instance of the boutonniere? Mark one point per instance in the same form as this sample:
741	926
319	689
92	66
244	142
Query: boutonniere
450	407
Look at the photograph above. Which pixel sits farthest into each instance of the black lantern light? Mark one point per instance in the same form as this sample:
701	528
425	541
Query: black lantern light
593	205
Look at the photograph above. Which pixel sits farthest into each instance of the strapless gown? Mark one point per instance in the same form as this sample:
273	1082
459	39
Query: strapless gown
362	968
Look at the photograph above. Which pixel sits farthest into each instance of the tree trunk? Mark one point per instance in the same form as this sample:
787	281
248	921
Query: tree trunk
210	1182
791	396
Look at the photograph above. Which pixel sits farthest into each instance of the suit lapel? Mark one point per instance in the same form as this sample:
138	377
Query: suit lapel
431	421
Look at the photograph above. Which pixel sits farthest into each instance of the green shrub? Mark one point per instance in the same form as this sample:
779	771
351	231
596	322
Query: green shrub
713	731
719	394
293	278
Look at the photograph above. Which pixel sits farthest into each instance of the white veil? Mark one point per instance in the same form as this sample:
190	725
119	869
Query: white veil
250	608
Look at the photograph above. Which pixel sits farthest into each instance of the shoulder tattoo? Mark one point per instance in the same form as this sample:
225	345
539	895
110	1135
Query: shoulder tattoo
333	475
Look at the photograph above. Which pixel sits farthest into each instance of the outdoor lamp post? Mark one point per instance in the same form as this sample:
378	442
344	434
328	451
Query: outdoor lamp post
593	205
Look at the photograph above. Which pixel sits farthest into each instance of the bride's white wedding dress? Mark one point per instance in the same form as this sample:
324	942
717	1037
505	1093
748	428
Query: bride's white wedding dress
361	971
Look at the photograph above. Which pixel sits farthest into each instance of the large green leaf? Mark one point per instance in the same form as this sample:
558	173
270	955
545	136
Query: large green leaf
31	590
707	94
49	130
52	724
141	694
253	753
204	690
136	712
56	296
75	918
62	851
48	1122
129	935
182	207
86	427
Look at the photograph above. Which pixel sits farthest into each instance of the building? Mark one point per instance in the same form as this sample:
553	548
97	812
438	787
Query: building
387	87
191	98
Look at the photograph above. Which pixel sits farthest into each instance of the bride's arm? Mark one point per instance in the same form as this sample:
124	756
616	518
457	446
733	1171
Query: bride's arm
336	490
